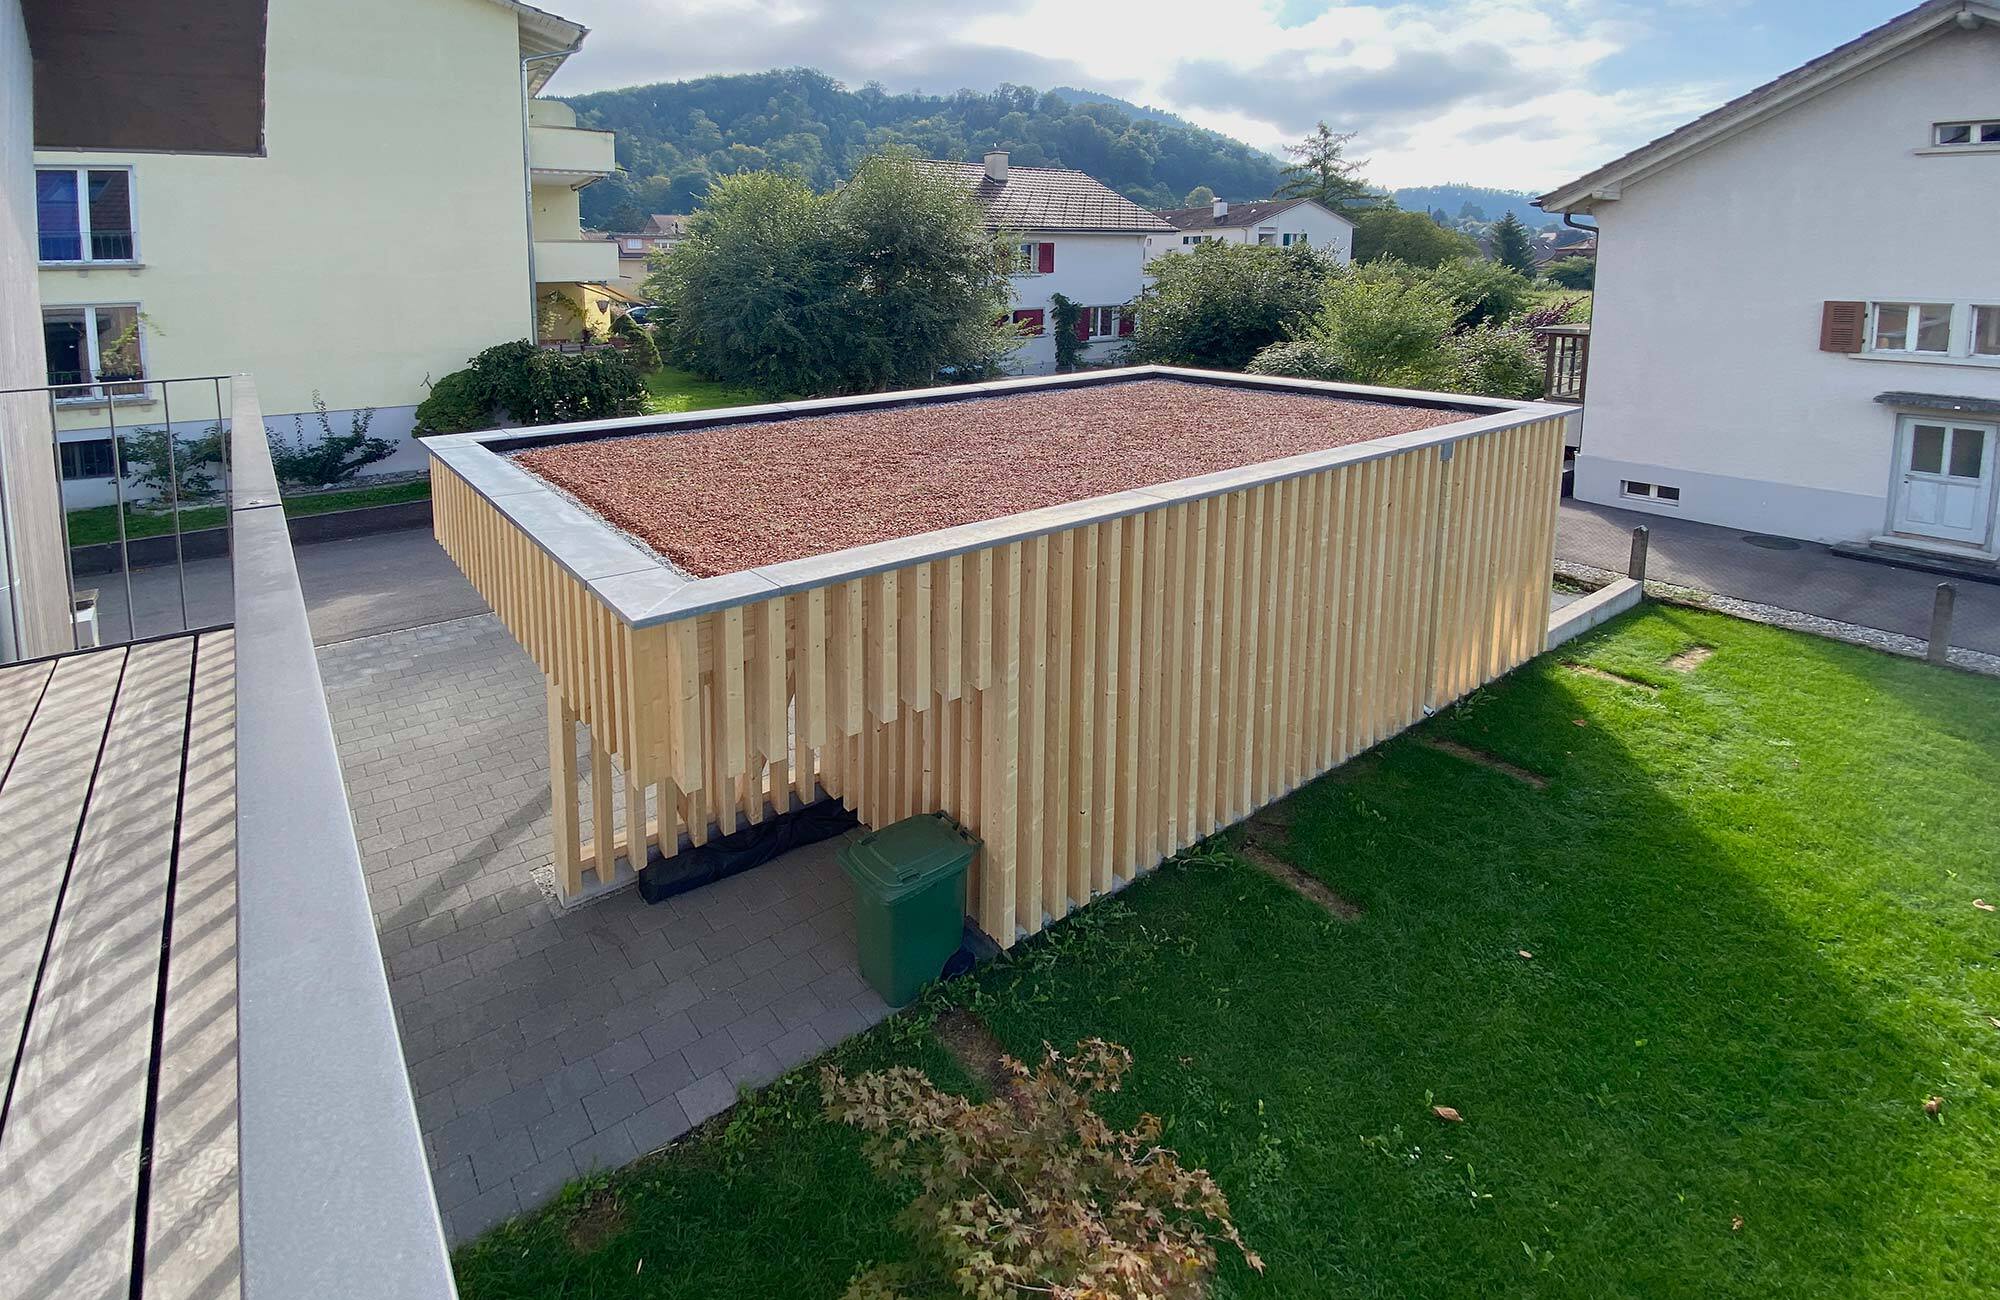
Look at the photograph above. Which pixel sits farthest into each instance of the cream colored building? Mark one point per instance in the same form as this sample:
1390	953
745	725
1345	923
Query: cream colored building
382	238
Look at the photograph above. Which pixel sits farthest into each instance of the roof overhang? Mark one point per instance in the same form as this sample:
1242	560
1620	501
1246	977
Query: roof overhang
1864	53
151	76
546	41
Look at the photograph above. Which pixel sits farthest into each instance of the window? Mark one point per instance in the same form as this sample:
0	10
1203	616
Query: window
1951	135
1103	322
1299	238
1029	322
1267	237
90	458
1664	493
635	245
1986	331
93	347
84	214
1034	258
1911	327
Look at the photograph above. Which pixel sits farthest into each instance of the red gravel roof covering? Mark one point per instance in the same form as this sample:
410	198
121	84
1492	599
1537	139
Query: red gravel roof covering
733	497
1048	198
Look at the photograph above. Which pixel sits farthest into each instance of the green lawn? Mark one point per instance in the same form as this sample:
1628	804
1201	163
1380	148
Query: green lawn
1550	297
669	391
100	523
1748	896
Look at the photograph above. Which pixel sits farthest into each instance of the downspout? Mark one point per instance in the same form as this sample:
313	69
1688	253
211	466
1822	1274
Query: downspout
1569	219
528	185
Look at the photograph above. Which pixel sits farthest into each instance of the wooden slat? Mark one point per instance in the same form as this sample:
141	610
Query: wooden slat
69	1154
191	1217
41	804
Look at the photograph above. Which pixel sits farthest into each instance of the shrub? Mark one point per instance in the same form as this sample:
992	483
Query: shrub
1383	325
640	349
1298	359
1497	362
145	458
1221	304
1410	237
459	403
1573	272
331	457
1032	1192
1489	293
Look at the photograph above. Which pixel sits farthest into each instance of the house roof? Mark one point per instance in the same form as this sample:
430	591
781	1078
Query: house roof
548	38
1239	214
1048	198
1838	65
666	223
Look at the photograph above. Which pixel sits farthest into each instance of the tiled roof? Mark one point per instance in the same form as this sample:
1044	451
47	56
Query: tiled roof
1239	214
666	223
1048	198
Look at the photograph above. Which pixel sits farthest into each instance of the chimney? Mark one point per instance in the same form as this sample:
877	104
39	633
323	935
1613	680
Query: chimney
996	165
1221	208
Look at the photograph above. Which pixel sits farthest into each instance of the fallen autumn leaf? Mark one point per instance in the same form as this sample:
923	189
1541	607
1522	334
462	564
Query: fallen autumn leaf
1447	1114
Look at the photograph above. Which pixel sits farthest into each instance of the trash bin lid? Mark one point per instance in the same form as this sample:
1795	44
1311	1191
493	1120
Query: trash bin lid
909	855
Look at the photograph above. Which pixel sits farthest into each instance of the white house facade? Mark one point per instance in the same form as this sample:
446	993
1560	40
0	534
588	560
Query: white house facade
1282	222
1842	384
1078	238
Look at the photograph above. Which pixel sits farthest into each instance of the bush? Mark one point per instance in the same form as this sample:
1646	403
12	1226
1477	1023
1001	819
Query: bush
1298	359
1497	362
1383	325
459	403
145	459
640	349
1221	304
1032	1192
330	458
1489	293
1573	272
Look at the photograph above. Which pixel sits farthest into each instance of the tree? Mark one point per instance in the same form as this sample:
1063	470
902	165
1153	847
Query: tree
1383	325
1198	197
1319	172
886	282
1512	246
177	471
1573	272
1408	237
1221	304
1488	293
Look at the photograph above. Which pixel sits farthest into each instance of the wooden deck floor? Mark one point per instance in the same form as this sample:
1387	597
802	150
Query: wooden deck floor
118	1146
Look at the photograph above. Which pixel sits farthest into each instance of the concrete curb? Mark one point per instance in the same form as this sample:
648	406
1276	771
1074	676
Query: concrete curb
1600	606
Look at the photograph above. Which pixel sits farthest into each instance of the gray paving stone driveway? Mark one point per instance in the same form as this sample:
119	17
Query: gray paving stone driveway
542	1044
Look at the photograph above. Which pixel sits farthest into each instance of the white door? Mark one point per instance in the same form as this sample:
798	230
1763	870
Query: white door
1945	487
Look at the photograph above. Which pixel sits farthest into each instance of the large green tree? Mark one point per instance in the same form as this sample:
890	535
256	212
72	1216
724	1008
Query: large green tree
1220	304
1512	245
1410	237
887	282
1319	170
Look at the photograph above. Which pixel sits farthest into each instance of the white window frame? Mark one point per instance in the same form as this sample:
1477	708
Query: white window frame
1979	309
1109	315
1634	490
1913	315
1293	237
82	175
1980	133
1029	255
95	394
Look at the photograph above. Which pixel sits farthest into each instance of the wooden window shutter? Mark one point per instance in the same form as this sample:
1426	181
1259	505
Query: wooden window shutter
1842	326
1083	324
1124	324
1045	257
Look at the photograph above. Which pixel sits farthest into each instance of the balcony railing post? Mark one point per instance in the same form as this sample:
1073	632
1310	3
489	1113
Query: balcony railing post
118	491
174	499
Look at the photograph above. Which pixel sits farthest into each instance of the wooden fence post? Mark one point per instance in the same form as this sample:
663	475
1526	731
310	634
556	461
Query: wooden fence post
1635	567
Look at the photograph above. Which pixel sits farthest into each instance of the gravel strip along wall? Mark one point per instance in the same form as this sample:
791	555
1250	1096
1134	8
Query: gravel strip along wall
721	500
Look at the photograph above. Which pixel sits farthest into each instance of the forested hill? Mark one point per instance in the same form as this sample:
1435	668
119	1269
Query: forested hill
1473	203
674	136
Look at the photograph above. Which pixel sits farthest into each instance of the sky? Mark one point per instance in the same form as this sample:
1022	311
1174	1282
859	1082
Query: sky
1520	94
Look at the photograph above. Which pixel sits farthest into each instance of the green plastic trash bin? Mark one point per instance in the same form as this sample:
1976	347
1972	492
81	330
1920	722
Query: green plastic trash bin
909	900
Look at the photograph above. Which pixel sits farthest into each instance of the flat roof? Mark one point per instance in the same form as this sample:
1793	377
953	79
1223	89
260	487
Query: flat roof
721	500
644	588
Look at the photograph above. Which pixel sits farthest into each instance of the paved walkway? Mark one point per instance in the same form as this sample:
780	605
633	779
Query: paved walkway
542	1043
1810	578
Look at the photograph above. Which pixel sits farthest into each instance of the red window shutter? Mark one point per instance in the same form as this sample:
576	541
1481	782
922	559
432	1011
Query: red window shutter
1045	258
1842	325
1030	320
1124	324
1083	324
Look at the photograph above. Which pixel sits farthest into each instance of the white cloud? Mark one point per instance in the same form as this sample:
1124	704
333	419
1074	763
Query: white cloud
1499	92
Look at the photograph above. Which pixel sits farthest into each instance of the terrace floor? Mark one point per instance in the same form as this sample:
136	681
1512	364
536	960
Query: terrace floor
542	1044
118	1170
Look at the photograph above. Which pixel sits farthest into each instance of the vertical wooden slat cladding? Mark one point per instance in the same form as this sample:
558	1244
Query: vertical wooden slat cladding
1089	702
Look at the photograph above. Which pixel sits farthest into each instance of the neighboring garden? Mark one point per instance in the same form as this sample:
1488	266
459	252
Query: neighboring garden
1664	965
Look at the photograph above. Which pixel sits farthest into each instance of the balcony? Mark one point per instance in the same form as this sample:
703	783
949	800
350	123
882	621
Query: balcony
575	261
569	154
